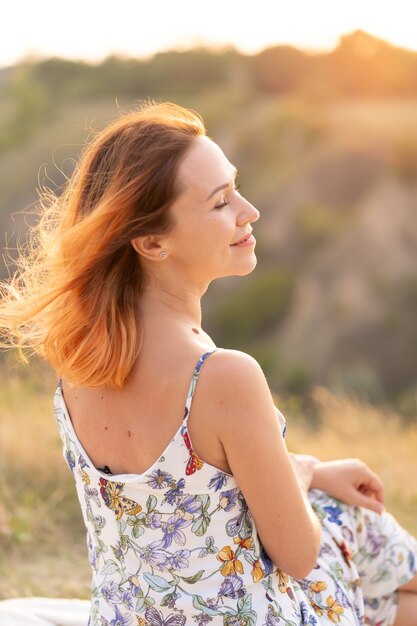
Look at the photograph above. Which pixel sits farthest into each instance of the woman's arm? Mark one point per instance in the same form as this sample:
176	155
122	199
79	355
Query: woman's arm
245	421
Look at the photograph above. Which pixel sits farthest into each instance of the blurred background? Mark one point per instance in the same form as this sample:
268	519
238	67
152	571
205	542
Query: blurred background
317	107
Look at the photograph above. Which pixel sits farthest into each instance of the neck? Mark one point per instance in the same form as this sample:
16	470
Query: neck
162	306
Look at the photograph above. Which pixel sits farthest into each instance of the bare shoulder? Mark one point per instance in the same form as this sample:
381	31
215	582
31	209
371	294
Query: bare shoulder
236	365
235	380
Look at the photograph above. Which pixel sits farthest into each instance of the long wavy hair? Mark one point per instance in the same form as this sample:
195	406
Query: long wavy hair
73	299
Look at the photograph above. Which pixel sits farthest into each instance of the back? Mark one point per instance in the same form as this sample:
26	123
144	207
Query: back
179	536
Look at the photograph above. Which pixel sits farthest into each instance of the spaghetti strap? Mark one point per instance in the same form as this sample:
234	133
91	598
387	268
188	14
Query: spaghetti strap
193	384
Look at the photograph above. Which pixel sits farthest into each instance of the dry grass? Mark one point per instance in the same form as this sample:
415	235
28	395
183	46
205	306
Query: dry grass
349	427
42	544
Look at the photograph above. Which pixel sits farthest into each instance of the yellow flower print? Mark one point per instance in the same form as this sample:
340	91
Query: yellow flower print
318	586
141	621
334	610
231	563
244	543
85	477
283	580
257	571
317	609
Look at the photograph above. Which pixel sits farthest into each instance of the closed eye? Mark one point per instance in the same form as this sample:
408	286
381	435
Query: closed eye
236	187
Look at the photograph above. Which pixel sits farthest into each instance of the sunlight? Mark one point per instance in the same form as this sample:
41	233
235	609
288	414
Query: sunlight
92	31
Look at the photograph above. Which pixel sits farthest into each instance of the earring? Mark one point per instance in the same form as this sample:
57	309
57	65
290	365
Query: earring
162	254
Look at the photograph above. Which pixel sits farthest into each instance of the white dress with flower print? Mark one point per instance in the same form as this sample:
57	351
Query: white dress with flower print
177	545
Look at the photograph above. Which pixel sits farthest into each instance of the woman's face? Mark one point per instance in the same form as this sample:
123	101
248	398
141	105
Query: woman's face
210	216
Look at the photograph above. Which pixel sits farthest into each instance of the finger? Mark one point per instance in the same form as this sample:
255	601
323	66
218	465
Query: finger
367	491
373	483
369	502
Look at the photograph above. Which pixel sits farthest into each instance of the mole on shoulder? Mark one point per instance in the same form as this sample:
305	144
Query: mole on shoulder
106	428
129	433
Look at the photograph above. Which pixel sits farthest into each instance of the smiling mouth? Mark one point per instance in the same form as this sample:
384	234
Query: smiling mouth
242	240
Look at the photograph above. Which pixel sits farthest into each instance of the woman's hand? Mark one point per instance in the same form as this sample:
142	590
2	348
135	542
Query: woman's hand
351	481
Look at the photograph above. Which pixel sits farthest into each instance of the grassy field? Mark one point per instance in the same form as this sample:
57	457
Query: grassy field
42	544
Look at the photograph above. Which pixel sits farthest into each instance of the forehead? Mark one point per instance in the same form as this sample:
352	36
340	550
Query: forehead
203	168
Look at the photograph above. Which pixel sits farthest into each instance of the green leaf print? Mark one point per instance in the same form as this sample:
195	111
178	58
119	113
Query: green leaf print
202	521
251	618
205	501
337	570
211	548
169	597
156	582
148	601
137	530
110	567
201	524
244	613
244	604
151	503
193	579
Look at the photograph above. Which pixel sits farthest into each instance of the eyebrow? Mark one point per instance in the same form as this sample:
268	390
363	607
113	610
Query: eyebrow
224	186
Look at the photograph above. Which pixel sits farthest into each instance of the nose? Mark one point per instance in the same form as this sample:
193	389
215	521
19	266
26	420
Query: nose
248	212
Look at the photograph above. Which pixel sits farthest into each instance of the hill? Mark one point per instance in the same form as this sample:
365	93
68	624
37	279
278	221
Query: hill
326	147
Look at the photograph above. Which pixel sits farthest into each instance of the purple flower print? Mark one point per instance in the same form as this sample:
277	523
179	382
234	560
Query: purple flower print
303	612
218	481
227	499
153	555
110	591
187	506
179	560
374	540
120	620
70	459
127	599
172	530
271	618
232	587
153	520
92	553
119	551
172	496
333	514
159	479
241	525
82	462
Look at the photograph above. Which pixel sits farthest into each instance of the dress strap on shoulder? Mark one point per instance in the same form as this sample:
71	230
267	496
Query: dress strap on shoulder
193	384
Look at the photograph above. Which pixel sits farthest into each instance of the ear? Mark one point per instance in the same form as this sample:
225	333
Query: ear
149	246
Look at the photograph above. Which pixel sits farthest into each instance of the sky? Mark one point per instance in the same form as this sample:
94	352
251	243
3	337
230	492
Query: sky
92	30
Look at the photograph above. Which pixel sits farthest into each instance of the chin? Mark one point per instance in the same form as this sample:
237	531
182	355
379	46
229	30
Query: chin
244	272
245	268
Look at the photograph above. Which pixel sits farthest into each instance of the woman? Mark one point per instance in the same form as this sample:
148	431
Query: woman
194	514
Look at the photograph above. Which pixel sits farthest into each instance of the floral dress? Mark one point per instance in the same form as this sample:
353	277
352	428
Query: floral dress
177	545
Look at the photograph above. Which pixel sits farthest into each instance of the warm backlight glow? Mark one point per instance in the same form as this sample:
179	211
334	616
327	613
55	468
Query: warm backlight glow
92	30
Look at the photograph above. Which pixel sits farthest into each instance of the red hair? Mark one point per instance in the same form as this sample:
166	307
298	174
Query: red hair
74	297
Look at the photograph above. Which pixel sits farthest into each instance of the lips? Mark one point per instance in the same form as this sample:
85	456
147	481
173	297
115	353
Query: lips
242	240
